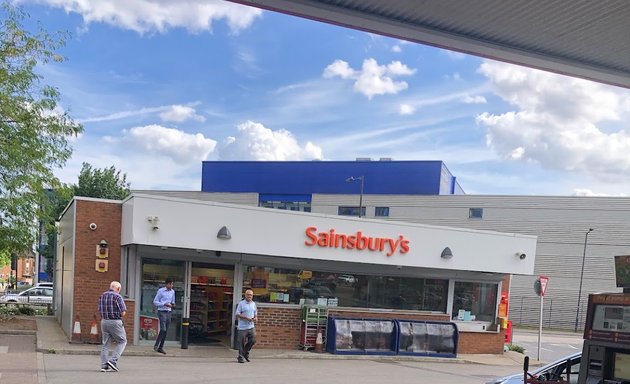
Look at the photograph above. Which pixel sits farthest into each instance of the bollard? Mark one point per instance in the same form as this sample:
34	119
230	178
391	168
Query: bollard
185	326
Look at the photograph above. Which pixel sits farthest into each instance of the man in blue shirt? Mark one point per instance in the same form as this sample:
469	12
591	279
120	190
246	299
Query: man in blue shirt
247	316
112	308
164	301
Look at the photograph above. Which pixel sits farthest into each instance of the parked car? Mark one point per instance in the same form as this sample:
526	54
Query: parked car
44	284
35	295
551	372
348	279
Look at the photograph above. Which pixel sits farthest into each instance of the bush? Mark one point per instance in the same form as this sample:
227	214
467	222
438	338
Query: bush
7	311
28	311
516	348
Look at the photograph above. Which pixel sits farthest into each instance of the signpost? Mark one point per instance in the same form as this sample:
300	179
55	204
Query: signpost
540	287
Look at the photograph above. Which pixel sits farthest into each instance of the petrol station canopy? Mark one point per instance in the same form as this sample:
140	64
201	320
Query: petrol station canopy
588	39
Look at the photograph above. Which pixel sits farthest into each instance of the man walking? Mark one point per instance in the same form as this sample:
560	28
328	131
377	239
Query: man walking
112	308
164	301
246	314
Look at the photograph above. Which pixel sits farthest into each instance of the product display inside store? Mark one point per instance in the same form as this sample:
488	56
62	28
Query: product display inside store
211	293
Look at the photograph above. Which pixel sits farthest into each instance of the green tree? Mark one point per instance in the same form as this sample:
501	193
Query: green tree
34	131
106	183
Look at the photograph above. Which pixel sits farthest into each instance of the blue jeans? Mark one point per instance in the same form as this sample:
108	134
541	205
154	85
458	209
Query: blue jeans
165	322
112	330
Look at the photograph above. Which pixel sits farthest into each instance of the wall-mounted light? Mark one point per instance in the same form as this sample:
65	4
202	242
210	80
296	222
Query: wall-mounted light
521	255
224	233
446	253
155	222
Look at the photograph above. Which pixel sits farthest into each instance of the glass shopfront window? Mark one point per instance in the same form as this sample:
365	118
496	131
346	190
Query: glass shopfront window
475	301
289	286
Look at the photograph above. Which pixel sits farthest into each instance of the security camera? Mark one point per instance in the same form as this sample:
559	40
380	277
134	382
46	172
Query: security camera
521	255
93	226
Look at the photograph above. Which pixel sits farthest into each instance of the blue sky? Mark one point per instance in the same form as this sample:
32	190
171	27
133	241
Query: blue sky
162	85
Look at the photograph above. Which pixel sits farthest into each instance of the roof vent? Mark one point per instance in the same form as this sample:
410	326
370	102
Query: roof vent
364	159
385	159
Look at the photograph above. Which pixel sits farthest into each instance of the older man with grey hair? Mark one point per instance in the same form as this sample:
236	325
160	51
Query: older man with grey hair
112	308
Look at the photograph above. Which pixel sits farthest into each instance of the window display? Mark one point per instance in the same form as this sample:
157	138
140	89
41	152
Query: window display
287	286
475	301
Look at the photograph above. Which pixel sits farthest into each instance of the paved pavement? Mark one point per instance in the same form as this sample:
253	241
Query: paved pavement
58	361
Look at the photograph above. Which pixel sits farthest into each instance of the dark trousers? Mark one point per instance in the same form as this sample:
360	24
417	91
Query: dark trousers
245	338
165	322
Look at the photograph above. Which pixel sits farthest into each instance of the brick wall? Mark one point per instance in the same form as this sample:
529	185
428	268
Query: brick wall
278	327
481	343
88	283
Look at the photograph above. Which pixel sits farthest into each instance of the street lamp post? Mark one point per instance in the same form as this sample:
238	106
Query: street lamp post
577	312
362	179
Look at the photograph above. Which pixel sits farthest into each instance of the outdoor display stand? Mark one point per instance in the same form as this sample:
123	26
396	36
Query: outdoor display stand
314	321
362	336
427	338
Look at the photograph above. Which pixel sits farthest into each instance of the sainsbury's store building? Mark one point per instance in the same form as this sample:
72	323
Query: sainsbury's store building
360	268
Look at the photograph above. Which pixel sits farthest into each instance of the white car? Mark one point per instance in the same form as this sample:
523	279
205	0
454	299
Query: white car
348	279
551	372
35	295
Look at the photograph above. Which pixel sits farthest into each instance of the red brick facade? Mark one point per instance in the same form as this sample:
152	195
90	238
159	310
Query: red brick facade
88	283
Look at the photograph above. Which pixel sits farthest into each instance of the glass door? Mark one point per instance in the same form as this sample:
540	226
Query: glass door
154	273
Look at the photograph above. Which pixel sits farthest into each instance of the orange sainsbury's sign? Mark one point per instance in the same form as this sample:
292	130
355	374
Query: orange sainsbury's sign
358	241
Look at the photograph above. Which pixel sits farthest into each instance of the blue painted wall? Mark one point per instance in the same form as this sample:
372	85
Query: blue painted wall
308	177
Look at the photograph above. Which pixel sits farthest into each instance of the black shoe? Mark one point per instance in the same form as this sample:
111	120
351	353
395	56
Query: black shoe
160	351
112	365
240	360
247	357
105	368
155	348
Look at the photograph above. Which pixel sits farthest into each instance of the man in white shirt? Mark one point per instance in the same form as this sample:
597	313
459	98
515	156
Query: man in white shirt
247	316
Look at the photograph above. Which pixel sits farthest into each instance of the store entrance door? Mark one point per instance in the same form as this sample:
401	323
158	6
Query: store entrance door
154	273
211	293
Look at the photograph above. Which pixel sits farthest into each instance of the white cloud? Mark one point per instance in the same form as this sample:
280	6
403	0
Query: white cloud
339	68
396	48
372	79
165	112
588	192
254	141
144	16
181	147
406	109
474	99
181	113
560	122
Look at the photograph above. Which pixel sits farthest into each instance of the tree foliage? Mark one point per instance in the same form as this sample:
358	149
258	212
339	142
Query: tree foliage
34	131
106	183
